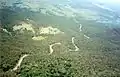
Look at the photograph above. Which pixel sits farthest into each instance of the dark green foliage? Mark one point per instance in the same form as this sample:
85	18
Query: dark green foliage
48	66
8	74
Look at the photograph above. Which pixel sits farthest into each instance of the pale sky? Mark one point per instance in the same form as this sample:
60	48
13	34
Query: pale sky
109	1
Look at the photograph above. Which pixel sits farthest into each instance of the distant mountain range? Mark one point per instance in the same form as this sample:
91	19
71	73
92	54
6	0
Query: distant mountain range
99	11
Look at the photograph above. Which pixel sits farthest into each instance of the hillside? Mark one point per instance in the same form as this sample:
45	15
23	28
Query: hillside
58	39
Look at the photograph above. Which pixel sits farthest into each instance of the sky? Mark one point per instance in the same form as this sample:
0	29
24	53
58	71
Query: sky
109	1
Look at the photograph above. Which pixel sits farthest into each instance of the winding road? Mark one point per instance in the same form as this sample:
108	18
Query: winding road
76	47
51	49
19	62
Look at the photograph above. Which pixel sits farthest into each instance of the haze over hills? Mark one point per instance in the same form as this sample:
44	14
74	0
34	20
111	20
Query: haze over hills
100	11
